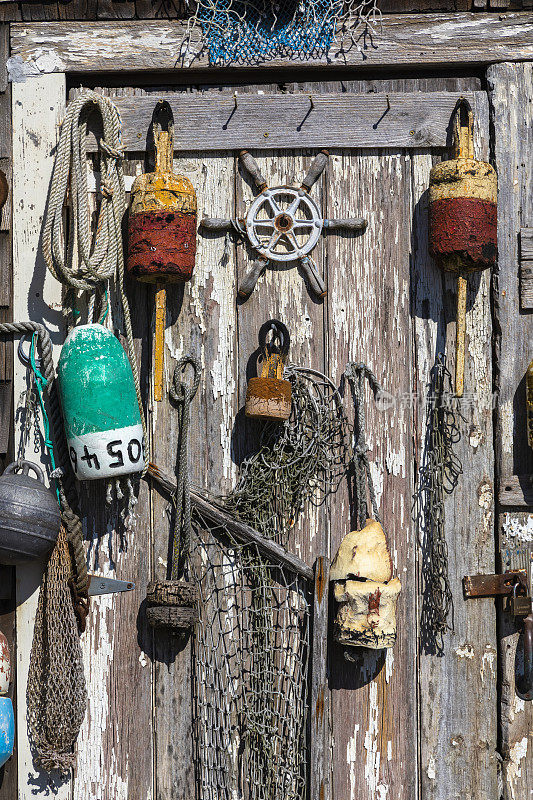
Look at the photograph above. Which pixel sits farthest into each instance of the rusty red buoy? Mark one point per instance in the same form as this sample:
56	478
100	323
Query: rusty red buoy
162	230
463	219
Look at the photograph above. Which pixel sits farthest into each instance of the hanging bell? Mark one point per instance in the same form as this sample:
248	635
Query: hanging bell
463	219
100	409
270	395
364	589
529	403
29	515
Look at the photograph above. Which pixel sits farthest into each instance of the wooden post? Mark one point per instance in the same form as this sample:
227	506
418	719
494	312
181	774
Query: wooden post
320	766
37	297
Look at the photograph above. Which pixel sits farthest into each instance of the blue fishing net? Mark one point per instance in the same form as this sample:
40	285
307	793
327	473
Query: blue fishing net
251	31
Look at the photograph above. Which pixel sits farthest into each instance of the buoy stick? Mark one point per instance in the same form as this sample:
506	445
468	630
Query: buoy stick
460	336
160	314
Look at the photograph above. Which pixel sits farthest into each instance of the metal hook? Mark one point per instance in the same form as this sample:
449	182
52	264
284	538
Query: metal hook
26	358
235	99
311	101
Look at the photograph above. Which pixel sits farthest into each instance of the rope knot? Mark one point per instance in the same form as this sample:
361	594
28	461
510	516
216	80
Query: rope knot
106	189
113	152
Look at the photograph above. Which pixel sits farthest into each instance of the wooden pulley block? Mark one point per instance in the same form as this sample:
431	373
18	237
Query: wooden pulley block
364	590
269	396
463	219
172	605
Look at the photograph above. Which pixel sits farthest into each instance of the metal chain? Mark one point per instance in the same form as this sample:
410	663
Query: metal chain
63	474
91	261
356	374
183	394
438	476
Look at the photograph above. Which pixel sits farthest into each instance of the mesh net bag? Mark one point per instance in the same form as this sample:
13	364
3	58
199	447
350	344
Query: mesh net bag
56	693
251	657
249	31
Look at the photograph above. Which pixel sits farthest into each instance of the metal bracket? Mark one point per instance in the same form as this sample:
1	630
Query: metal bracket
100	585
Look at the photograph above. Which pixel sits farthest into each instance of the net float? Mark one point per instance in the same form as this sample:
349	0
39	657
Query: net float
7	729
463	219
101	414
29	514
162	230
365	592
269	396
529	403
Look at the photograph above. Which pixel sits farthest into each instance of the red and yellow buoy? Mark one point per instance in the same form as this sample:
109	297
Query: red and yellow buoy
463	219
162	231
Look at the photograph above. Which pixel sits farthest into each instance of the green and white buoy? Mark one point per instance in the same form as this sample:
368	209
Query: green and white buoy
100	409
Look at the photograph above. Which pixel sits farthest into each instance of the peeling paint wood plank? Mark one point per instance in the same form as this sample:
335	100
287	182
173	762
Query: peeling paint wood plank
115	743
511	93
36	296
201	320
526	269
402	39
211	120
457	688
373	705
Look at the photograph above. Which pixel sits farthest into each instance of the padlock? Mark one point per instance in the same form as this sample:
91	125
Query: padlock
172	605
29	515
529	403
463	219
270	395
102	418
520	603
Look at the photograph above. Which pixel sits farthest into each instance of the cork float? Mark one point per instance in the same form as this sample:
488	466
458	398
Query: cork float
162	230
463	220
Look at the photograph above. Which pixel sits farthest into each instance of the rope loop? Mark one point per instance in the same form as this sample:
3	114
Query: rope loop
356	373
183	394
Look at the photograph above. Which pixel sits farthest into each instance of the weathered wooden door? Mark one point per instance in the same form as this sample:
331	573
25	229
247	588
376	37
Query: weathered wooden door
411	723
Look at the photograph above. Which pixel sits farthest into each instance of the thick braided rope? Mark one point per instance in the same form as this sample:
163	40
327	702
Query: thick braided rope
90	261
355	375
182	394
68	492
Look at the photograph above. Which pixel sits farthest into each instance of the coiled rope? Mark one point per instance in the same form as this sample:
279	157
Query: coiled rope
183	394
356	374
63	473
92	260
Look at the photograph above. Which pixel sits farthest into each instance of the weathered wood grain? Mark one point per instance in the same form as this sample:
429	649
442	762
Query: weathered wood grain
457	688
511	93
116	644
368	320
526	269
320	725
516	490
36	296
403	39
215	121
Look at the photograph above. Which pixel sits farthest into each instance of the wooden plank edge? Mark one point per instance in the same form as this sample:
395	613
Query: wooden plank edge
516	491
464	38
319	717
241	531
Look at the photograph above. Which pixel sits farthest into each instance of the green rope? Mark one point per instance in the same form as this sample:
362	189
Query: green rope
41	384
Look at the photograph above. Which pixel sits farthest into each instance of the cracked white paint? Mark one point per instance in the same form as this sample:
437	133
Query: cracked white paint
352	759
513	769
488	660
516	707
518	529
465	651
476	438
431	770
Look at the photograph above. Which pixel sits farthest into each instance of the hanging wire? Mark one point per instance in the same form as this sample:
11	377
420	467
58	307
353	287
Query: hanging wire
438	476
